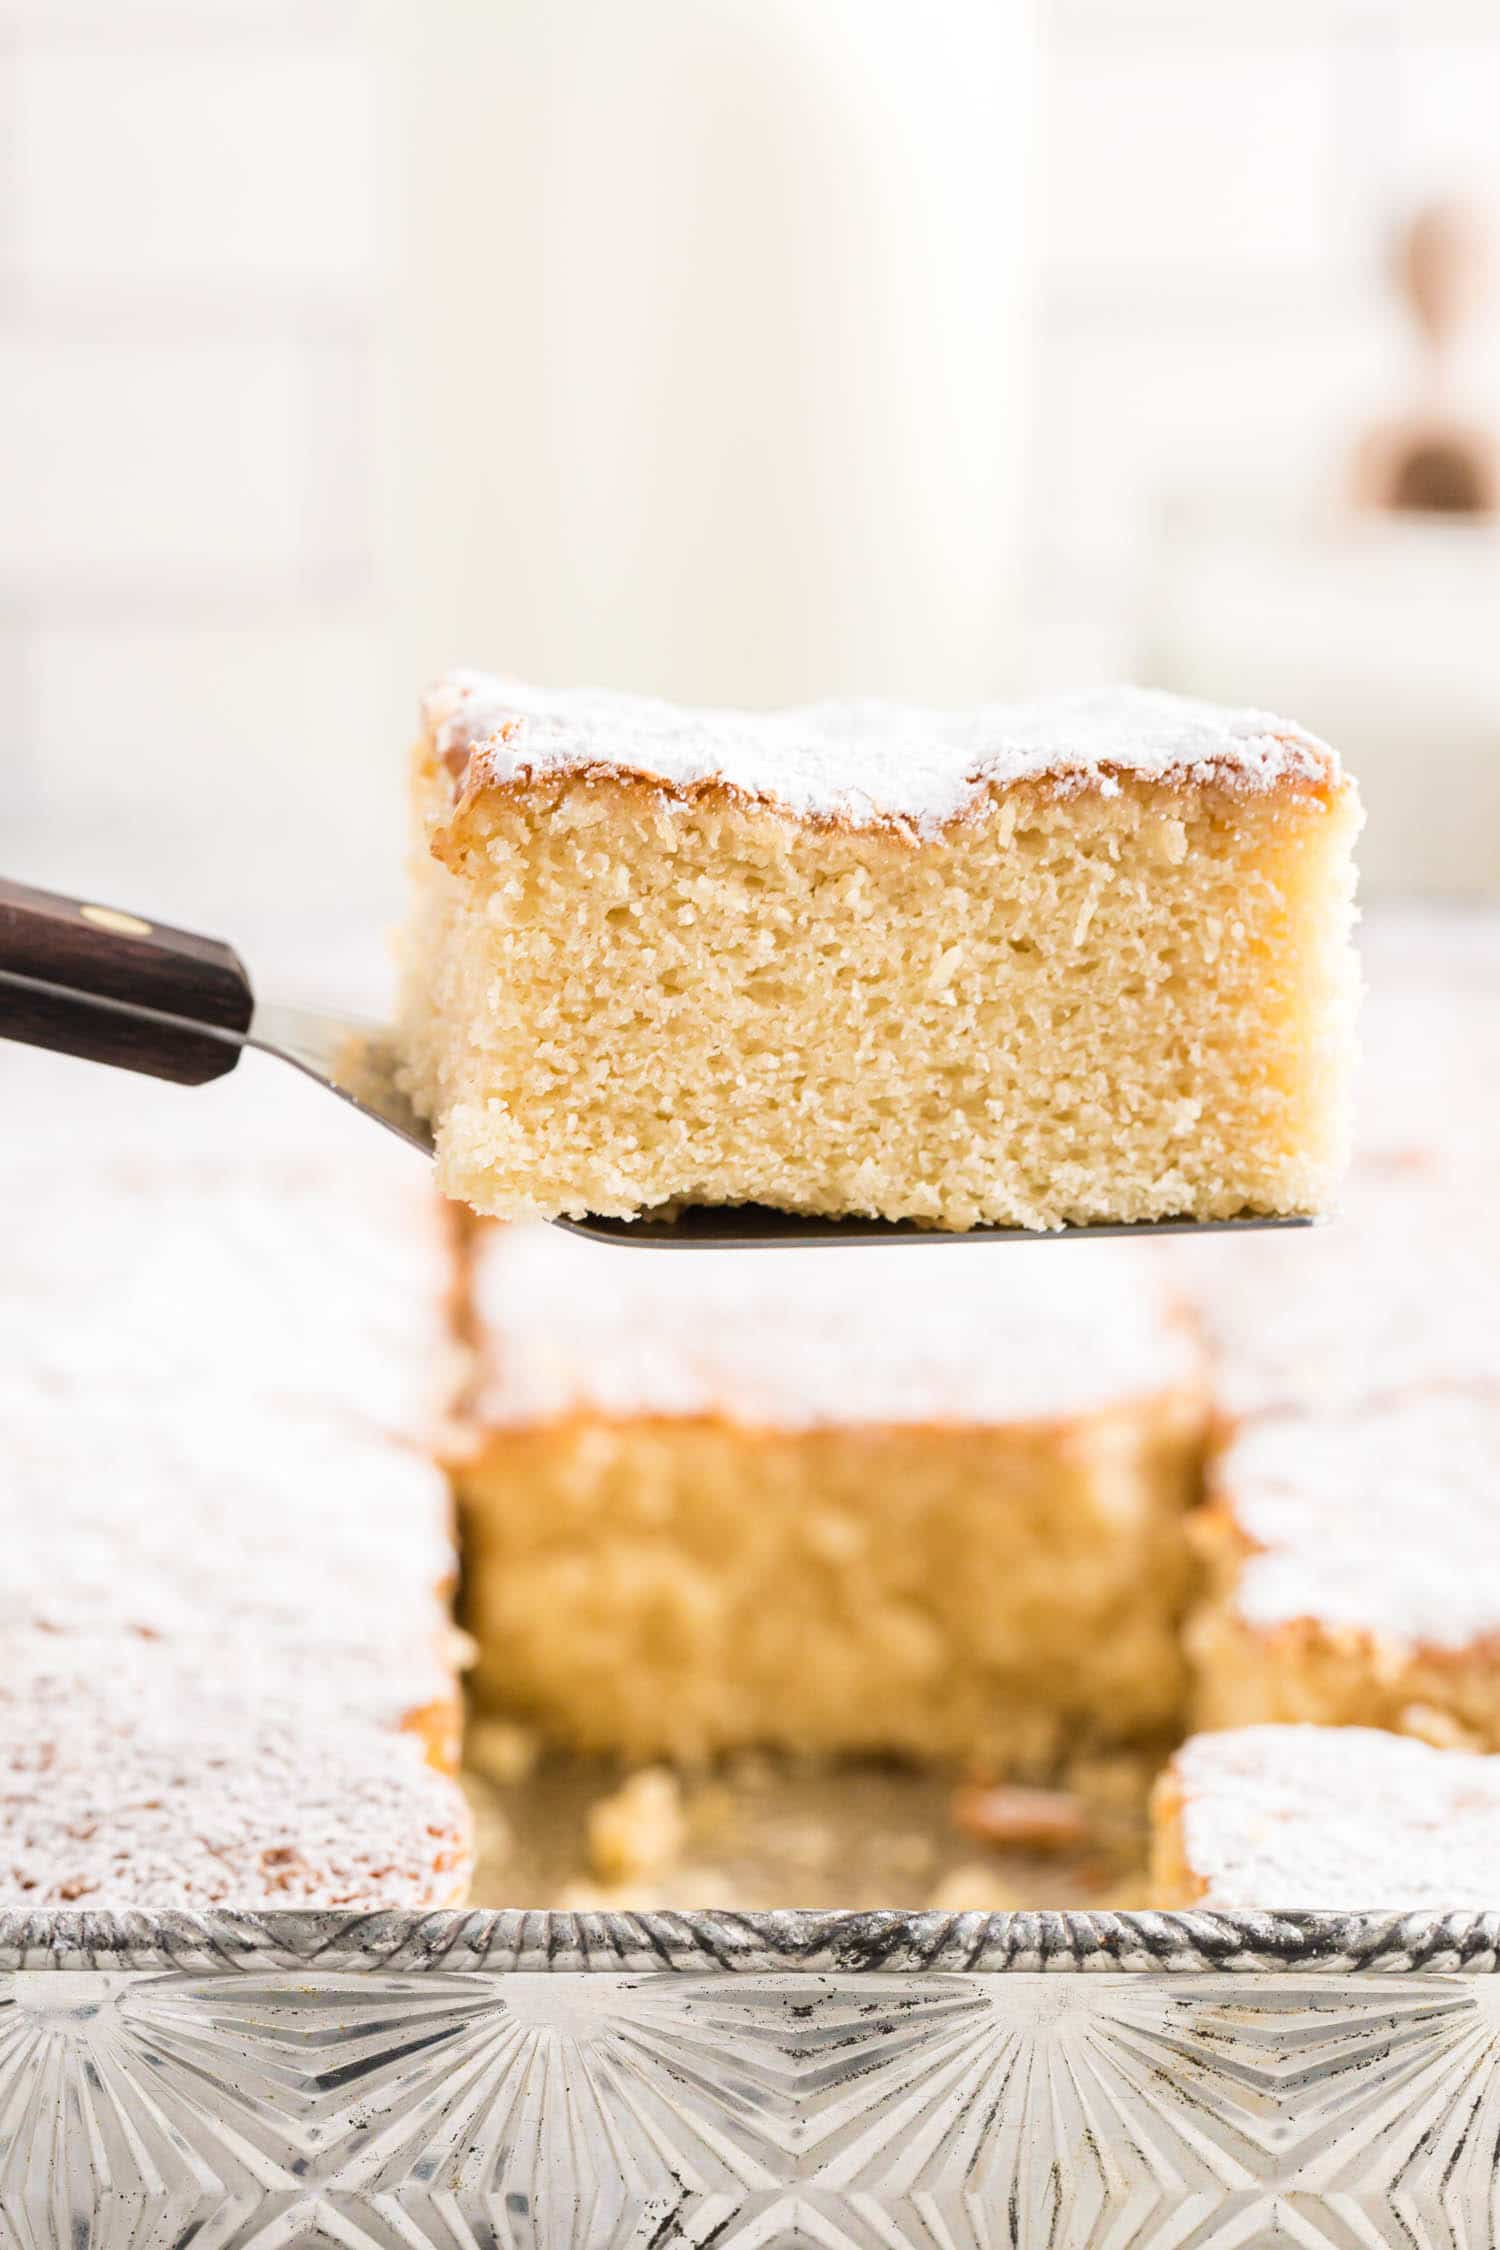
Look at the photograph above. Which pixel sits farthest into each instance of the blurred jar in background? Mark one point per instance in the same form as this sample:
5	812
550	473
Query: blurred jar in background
1368	608
711	342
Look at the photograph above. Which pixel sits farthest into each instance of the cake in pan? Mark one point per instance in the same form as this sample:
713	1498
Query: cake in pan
1071	961
324	1283
921	1501
1348	1819
160	1782
1397	1296
716	1502
268	1538
227	1662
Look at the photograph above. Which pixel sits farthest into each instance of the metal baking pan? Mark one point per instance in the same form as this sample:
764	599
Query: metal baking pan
547	2081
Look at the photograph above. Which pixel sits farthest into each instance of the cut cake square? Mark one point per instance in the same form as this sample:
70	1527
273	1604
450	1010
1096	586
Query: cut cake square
227	1668
1069	961
150	1787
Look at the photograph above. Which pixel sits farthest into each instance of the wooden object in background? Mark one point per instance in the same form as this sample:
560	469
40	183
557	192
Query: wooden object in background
1435	460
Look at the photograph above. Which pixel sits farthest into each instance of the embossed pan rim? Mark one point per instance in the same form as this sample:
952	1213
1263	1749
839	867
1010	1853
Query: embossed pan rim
509	1941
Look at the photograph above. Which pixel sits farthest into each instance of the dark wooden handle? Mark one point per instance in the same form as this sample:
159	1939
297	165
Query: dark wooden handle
84	966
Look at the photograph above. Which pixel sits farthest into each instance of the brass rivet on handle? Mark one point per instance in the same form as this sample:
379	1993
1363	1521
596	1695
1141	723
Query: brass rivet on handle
110	918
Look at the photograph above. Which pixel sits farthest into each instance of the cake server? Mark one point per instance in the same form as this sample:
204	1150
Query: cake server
89	980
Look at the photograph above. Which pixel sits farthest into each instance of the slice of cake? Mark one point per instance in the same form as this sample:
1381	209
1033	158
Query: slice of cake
1354	1571
1081	960
1343	1819
922	1501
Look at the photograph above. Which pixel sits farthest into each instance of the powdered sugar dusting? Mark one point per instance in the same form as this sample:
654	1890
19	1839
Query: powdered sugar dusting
868	763
169	1281
1382	1522
1397	1294
139	1797
122	1520
800	1338
224	1641
1343	1819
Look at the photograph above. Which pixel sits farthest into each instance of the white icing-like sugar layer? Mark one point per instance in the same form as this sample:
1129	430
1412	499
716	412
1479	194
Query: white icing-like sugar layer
868	763
391	1680
294	1547
1383	1522
169	1283
135	1798
1398	1293
797	1338
1342	1819
227	1557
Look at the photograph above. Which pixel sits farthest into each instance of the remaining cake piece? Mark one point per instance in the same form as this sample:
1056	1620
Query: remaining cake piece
1070	961
127	1795
1354	1571
294	1547
1344	1819
227	1671
1428	1085
922	1501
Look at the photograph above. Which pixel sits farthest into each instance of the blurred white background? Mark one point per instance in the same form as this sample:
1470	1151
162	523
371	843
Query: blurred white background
735	348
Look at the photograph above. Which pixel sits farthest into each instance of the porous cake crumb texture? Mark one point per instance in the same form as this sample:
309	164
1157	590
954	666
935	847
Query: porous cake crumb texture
1019	967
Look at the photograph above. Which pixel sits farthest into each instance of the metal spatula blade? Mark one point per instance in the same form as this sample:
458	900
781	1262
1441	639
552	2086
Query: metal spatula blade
355	1060
755	1226
111	987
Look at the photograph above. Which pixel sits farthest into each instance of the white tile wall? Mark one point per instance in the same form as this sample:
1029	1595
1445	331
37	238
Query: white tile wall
230	723
1444	126
1158	158
148	457
212	166
194	238
1137	412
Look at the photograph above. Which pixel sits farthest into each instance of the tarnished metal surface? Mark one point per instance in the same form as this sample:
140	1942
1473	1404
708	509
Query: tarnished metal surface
583	2082
486	2081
